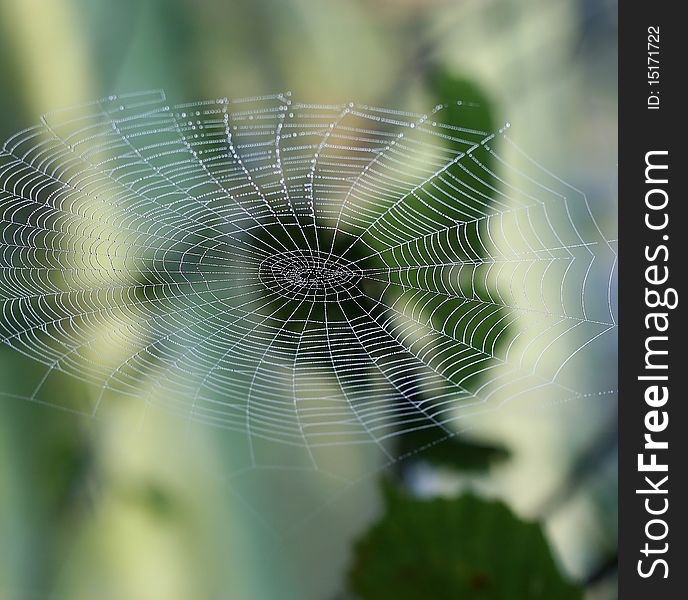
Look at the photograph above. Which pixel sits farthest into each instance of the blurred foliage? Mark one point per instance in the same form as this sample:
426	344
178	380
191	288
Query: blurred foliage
52	476
448	87
454	452
466	547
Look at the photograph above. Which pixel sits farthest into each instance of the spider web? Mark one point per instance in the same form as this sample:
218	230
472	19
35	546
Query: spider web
306	275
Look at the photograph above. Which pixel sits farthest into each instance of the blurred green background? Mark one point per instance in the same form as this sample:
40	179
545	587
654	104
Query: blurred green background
125	509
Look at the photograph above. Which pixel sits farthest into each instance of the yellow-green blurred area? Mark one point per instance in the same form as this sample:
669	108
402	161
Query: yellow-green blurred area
141	505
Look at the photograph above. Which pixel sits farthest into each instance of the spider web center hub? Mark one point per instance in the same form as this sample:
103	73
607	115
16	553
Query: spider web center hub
310	275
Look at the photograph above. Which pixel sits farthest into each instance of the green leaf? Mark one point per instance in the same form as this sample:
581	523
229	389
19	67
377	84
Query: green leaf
466	548
468	105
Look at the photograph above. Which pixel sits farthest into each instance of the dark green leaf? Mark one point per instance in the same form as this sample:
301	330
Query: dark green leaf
466	548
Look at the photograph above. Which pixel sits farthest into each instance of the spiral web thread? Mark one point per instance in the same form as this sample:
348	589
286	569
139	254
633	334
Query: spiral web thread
308	275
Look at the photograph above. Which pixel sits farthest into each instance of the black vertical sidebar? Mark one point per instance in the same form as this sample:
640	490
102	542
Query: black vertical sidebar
652	118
